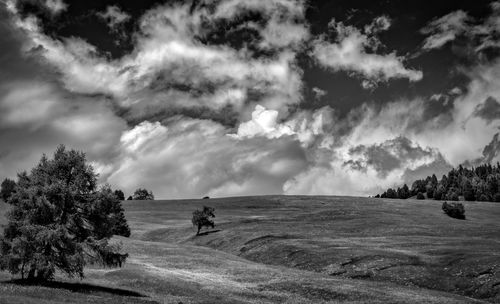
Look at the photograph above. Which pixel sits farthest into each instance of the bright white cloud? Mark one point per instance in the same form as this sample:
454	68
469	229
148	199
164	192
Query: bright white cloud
354	51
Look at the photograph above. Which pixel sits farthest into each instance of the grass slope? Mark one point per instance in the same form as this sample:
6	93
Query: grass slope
294	249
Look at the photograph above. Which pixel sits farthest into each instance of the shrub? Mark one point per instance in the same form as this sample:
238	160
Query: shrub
455	210
202	218
143	194
60	220
8	187
496	198
420	196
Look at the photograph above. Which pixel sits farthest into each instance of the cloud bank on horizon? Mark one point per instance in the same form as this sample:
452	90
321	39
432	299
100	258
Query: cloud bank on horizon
209	97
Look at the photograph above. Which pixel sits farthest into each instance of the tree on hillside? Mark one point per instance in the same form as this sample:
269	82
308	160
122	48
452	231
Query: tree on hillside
60	220
143	194
120	195
8	187
202	218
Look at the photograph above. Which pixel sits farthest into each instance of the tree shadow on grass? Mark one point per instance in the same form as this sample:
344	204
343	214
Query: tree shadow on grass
77	287
208	232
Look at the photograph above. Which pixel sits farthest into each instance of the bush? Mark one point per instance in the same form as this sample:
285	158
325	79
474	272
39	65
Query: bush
8	187
60	220
455	210
420	196
202	218
496	198
143	194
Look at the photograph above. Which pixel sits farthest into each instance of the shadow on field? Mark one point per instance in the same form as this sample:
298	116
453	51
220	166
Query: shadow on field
77	287
208	232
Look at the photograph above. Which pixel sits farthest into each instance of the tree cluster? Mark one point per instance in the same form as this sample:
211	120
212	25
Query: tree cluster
61	220
142	195
481	183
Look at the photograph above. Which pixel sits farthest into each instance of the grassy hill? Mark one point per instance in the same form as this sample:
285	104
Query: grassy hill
293	249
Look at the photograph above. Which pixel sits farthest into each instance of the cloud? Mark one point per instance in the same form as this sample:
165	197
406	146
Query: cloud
445	29
193	158
169	68
365	170
489	110
36	117
481	34
318	93
353	51
56	6
114	16
189	117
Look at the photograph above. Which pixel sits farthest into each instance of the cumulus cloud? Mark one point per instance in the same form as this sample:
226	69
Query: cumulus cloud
354	51
169	66
192	158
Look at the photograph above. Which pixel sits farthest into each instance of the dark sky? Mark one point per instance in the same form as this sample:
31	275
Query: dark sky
278	96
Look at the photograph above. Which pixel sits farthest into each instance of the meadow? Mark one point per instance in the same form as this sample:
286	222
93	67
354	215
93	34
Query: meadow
292	249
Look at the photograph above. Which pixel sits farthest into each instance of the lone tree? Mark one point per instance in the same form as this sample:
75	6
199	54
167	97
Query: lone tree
202	218
143	194
8	187
60	220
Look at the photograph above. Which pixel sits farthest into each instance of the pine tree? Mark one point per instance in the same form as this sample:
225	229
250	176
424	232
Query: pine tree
60	220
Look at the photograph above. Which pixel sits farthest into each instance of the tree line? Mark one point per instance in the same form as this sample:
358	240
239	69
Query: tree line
481	183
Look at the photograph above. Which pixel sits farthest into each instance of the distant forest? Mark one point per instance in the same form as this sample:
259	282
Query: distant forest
481	183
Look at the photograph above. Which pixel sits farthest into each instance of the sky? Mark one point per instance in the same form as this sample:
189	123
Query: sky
237	97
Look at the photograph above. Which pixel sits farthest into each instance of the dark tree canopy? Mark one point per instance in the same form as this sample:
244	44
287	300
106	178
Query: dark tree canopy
8	187
120	195
143	194
60	220
202	218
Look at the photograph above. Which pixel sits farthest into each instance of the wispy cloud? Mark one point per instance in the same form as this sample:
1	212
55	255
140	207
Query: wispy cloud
354	51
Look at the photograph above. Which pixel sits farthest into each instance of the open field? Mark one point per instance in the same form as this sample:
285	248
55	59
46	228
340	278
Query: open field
293	249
